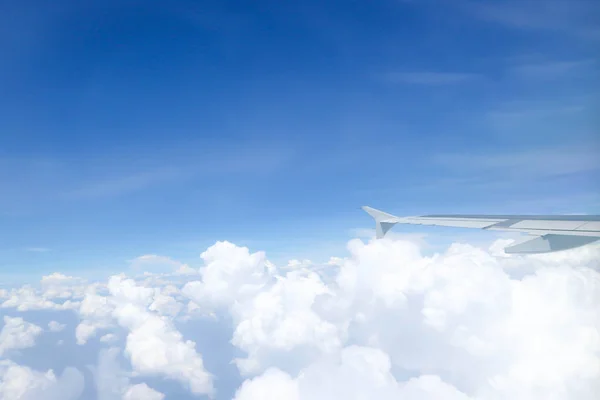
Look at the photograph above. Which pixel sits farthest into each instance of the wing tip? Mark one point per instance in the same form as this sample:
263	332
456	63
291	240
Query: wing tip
383	221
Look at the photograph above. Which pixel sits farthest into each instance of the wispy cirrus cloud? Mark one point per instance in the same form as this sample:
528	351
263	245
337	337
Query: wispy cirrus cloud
531	163
529	111
37	249
125	184
573	17
430	78
557	118
552	69
107	176
219	162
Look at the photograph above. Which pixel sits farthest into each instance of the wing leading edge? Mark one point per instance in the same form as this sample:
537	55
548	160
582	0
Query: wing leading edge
555	232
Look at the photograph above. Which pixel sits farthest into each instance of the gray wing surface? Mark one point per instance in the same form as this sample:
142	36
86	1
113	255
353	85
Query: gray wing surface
554	232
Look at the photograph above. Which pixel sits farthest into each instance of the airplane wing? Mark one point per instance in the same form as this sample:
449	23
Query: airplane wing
555	232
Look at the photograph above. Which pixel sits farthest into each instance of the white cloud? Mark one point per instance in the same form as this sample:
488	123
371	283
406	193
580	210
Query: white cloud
282	319
62	286
459	311
165	305
56	292
17	334
112	382
231	273
185	269
384	322
110	379
96	312
296	264
27	298
108	338
156	263
23	383
273	384
55	326
153	345
142	392
359	373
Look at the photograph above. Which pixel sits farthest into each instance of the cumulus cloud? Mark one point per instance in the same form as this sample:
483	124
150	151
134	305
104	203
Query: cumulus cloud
23	383
357	373
28	298
231	273
156	263
17	334
55	326
383	322
113	383
457	318
95	311
141	391
110	379
108	338
282	320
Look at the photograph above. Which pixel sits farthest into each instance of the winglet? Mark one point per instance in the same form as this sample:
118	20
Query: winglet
383	221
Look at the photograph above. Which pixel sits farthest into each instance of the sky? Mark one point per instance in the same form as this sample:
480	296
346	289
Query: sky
132	127
181	183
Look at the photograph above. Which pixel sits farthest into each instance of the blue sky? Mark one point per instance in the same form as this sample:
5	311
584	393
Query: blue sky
132	127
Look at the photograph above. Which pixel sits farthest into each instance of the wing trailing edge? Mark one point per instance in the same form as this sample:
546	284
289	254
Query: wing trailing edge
554	232
549	244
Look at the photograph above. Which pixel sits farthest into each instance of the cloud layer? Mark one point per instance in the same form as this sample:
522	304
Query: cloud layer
383	322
